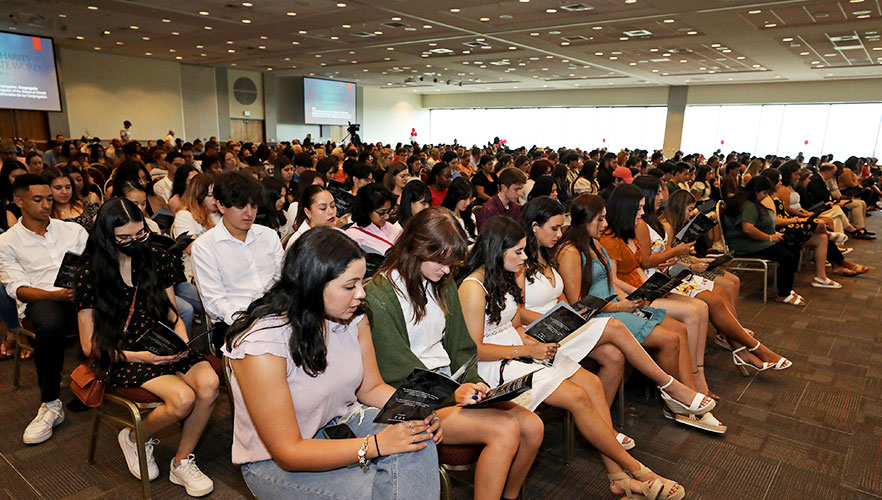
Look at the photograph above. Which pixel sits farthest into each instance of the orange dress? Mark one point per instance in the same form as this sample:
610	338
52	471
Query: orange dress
627	262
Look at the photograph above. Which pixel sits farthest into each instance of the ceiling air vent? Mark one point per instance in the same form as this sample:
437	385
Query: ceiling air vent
364	34
576	38
846	42
576	7
638	33
476	45
245	91
395	24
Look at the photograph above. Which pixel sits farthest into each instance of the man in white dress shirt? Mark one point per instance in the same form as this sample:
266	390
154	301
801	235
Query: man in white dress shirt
30	256
236	261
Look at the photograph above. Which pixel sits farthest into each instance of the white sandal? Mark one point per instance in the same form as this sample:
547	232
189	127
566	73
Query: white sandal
828	283
782	363
627	446
706	422
695	406
794	299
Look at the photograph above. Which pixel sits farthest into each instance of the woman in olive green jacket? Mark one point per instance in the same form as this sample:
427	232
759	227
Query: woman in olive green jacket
418	323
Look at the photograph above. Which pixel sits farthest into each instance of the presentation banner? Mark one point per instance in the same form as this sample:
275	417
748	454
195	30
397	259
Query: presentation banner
28	77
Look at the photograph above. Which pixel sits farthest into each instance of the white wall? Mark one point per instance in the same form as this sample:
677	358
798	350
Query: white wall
642	96
199	96
102	90
389	114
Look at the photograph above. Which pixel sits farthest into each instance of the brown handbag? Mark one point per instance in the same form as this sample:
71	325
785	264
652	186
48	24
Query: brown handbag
87	385
85	382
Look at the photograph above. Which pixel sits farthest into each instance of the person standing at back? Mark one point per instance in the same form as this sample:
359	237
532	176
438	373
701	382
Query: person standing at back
236	261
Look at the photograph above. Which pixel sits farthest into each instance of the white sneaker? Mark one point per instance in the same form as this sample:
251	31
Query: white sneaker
130	450
188	475
48	416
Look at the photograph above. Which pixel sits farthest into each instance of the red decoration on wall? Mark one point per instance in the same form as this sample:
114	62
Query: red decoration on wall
806	141
722	142
604	140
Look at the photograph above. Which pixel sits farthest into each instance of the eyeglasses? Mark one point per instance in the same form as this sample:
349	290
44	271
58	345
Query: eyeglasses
383	214
125	240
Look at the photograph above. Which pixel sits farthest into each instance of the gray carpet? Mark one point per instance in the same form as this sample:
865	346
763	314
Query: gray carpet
812	432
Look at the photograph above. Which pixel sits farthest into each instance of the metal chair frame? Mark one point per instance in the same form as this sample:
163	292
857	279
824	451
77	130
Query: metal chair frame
748	264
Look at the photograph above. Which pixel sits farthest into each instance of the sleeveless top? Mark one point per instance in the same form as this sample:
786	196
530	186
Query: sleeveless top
540	295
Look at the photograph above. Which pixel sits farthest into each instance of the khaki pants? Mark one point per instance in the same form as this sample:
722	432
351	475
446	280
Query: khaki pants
856	210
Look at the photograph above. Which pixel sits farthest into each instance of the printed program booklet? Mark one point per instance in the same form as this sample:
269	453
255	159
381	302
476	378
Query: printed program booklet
564	320
162	340
695	228
67	272
719	261
660	284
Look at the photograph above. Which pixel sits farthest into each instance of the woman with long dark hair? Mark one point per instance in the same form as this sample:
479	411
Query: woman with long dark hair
136	173
586	268
370	214
415	197
418	323
750	232
125	289
485	181
183	175
317	209
66	202
82	184
439	180
8	173
459	200
490	296
303	365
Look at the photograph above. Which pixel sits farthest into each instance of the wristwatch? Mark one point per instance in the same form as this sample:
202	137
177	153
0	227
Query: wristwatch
362	455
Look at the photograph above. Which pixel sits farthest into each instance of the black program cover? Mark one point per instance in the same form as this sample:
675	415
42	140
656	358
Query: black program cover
592	305
420	394
342	198
164	219
660	284
506	391
719	261
67	272
556	324
695	228
708	206
162	341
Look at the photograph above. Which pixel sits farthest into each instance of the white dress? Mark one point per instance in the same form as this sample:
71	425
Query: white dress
545	379
691	287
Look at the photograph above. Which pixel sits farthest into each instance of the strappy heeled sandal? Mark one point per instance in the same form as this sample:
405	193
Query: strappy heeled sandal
782	363
657	489
696	406
618	476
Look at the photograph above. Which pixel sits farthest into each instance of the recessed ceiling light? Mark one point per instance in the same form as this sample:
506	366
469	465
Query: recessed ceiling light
740	58
231	51
105	32
246	21
454	10
390	48
630	1
148	53
203	12
427	26
166	20
856	1
816	62
133	27
550	11
341	5
564	43
62	15
175	33
396	19
80	38
683	60
788	39
229	42
92	7
209	28
632	64
754	11
863	16
484	19
756	65
771	25
335	38
292	14
178	58
200	47
120	43
534	34
302	32
668	21
145	38
295	43
346	26
597	27
262	47
715	45
623	38
612	58
692	33
172	50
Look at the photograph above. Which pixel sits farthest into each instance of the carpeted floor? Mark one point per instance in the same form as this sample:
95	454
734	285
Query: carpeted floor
811	432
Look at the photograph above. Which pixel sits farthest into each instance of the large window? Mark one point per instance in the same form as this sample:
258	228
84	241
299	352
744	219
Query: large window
811	129
584	127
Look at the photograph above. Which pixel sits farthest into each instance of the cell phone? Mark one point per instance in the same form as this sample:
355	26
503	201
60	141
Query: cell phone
339	431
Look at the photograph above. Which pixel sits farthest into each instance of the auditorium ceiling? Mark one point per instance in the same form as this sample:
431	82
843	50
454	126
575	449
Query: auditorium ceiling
461	46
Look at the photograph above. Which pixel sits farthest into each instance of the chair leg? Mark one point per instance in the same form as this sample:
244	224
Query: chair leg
93	441
142	452
765	283
16	367
569	438
445	483
622	403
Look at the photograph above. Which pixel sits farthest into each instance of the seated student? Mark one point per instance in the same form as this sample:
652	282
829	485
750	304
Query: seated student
822	188
585	268
459	199
196	214
511	181
66	202
586	183
730	183
439	179
30	257
705	179
396	178
680	178
418	323
125	287
490	295
485	180
163	187
303	361
370	215
360	176
750	232
415	197
183	176
317	209
236	261
134	172
656	251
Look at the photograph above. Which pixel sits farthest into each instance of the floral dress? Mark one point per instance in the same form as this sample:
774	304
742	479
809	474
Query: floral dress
796	233
128	374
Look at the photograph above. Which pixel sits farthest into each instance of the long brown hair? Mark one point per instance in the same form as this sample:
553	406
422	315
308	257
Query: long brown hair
433	235
193	197
675	209
583	210
52	173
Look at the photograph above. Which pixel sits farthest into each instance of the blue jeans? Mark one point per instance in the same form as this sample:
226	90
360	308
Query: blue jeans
188	303
8	311
405	476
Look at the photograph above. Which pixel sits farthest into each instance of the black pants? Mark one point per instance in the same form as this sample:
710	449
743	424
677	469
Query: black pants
219	335
52	322
787	259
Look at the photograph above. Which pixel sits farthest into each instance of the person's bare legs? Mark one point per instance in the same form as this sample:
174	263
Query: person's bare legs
612	366
818	244
511	436
203	380
693	314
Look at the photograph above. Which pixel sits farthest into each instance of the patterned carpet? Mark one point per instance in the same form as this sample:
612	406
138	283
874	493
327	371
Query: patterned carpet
812	432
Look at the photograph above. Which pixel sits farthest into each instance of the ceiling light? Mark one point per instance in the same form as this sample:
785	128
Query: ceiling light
292	14
683	60
119	43
390	48
754	11
335	38
80	38
262	47
341	5
145	38
863	16
229	42
632	64
92	7
247	4
133	27
756	65
209	28
175	33
740	58
295	43
668	21
62	15
346	26
550	11
148	53
246	21
715	45
302	32
200	47
771	25
178	58
856	1
623	38
534	34
396	19
454	10
564	44
427	26
597	27
816	62
105	32
203	12
172	50
612	58
484	19
692	33
166	20
231	51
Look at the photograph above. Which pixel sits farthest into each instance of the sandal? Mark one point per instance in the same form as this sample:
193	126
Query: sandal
793	299
861	269
847	272
697	406
618	476
825	283
706	422
782	363
658	488
837	237
7	350
627	446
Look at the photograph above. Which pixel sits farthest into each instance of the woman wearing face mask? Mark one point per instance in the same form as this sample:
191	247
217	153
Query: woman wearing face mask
317	209
124	289
490	295
418	323
66	203
586	268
